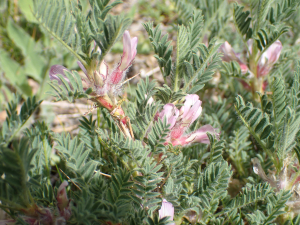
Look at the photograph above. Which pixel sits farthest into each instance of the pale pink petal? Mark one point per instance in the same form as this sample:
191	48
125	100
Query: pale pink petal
244	68
171	113
201	136
228	52
189	101
58	69
103	70
134	42
192	114
129	50
268	59
166	209
126	50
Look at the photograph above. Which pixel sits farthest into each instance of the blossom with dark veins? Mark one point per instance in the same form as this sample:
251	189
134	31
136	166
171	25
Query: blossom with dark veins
180	120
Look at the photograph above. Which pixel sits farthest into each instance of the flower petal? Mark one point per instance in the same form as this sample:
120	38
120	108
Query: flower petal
192	114
200	135
268	59
189	101
166	209
171	113
129	50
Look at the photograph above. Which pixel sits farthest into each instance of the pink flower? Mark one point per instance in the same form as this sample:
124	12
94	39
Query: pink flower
63	201
265	63
166	209
100	80
230	55
180	120
268	59
129	52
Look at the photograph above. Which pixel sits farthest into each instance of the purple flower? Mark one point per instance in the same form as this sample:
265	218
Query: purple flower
180	120
166	209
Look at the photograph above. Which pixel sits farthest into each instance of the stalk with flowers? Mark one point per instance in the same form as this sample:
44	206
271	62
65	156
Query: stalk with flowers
184	151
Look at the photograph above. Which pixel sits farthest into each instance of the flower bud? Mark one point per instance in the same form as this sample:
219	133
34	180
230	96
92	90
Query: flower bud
230	55
61	197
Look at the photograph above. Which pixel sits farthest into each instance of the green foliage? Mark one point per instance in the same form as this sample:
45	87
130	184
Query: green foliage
195	63
267	36
16	164
283	11
257	122
274	126
78	31
142	116
166	95
113	29
14	121
238	147
248	197
75	154
203	67
211	188
50	14
242	21
274	209
69	90
162	47
157	134
214	14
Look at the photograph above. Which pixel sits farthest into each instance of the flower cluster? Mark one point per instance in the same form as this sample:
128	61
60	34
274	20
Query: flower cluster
180	120
105	85
257	70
